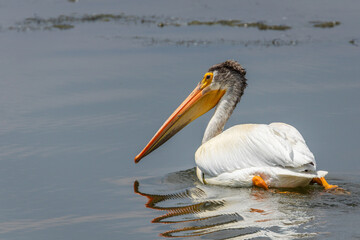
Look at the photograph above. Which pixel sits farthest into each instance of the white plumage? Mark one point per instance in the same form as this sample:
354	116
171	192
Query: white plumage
273	155
276	152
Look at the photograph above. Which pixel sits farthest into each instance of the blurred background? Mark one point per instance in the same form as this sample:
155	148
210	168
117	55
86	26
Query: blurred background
85	84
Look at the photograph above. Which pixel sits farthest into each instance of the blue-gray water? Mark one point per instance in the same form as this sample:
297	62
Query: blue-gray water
84	85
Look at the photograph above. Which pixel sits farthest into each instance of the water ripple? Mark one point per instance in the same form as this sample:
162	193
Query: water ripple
190	209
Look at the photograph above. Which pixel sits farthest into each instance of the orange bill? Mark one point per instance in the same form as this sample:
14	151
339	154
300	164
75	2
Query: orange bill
200	101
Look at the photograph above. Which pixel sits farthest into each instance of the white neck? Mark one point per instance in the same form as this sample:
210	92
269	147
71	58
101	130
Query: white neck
222	113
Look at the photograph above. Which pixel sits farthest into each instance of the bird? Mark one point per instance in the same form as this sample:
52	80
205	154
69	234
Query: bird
271	155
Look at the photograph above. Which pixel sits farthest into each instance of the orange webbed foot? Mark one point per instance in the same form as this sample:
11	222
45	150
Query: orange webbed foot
259	182
328	187
322	182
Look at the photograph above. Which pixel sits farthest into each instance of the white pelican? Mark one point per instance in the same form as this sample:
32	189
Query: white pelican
273	155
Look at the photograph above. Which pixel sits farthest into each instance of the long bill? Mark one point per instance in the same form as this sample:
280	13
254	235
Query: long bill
200	101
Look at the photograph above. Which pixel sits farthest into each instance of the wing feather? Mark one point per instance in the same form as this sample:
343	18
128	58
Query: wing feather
255	145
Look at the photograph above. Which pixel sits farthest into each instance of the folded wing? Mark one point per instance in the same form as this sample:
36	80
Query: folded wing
255	145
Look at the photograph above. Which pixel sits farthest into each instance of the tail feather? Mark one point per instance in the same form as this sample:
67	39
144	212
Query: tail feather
321	174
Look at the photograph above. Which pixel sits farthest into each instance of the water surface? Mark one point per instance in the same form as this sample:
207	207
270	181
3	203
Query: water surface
191	209
84	85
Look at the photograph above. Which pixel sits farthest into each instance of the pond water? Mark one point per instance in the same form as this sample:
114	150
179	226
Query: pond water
85	84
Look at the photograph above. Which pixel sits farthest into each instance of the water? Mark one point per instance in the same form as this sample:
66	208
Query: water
190	209
82	93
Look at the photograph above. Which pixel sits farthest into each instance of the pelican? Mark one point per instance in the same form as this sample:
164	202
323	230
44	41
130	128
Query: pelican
273	155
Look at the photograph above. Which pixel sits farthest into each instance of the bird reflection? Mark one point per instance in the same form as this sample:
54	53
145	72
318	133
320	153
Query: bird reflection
191	209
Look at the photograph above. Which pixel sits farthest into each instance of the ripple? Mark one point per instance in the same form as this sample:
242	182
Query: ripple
190	209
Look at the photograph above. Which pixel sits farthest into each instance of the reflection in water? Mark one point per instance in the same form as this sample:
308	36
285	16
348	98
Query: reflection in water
191	209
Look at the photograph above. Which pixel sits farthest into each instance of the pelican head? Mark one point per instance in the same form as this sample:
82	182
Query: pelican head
223	85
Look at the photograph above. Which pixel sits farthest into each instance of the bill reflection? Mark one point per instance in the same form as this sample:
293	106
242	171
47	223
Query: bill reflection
191	209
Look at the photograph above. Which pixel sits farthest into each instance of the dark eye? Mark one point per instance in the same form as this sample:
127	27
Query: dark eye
208	77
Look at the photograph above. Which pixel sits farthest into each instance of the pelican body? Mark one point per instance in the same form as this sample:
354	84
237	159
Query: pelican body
245	155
